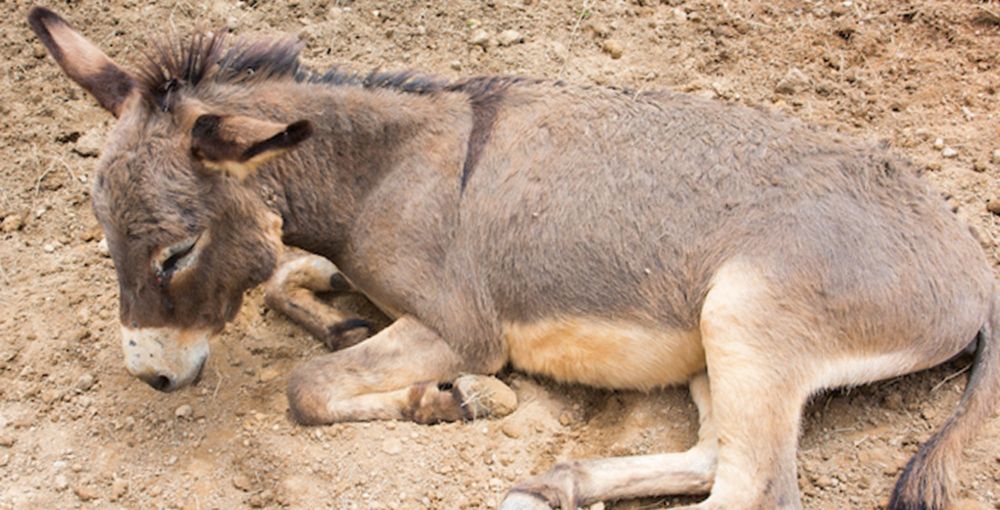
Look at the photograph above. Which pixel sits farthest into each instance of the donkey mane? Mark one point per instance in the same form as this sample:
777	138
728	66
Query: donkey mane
174	64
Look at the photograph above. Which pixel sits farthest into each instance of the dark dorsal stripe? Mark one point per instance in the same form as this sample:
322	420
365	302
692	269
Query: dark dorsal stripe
485	97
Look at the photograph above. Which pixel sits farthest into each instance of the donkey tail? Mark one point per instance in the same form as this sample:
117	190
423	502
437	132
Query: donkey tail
927	480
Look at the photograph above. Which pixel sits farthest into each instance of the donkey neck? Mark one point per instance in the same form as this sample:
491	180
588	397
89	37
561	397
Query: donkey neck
382	166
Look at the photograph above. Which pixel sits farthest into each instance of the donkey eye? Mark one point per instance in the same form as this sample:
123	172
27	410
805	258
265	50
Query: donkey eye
175	258
170	265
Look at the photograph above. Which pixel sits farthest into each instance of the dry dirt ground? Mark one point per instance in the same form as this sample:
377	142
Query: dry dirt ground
76	431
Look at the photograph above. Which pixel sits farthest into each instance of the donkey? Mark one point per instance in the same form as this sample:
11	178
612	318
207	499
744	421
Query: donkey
593	235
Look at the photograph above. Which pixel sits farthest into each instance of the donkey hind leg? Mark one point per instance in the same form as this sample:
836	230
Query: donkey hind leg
292	289
570	485
760	378
404	372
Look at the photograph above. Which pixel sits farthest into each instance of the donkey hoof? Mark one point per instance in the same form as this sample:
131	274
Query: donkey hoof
523	501
485	396
346	333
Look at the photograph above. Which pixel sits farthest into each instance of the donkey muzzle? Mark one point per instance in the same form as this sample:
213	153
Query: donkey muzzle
165	358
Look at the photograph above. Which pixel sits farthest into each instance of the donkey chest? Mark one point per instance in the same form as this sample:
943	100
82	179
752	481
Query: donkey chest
603	353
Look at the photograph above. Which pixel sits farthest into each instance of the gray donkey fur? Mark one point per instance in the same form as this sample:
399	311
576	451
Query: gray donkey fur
593	235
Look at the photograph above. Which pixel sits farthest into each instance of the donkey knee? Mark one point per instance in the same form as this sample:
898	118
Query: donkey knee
307	400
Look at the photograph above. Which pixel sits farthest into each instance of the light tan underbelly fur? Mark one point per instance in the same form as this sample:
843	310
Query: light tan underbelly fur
603	353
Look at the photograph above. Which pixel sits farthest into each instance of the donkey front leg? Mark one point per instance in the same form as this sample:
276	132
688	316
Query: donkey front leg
570	485
292	291
405	372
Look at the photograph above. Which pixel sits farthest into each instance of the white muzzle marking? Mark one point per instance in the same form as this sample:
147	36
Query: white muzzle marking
166	358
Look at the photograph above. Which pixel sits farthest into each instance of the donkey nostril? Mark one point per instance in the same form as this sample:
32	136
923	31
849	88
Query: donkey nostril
157	382
162	383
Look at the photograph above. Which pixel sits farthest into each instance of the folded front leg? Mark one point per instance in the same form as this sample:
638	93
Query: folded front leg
292	291
405	372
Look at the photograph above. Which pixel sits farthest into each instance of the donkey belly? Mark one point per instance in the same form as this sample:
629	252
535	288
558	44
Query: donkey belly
604	353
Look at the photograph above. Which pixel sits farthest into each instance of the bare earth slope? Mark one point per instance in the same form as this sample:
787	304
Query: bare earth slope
77	431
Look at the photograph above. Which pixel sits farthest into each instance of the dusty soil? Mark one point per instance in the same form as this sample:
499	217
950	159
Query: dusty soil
77	431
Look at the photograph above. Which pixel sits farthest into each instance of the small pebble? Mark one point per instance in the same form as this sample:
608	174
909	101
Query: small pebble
7	441
793	81
90	234
269	374
992	206
559	51
826	482
242	482
496	483
599	29
85	382
89	145
118	489
102	248
12	223
183	412
510	37
979	166
996	157
259	500
613	48
50	395
939	143
565	419
479	38
512	429
85	493
929	414
949	152
49	247
392	446
60	483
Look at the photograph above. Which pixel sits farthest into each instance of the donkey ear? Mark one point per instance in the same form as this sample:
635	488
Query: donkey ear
237	145
83	62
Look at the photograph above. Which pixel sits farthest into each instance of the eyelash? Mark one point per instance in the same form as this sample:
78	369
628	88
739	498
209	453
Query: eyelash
165	270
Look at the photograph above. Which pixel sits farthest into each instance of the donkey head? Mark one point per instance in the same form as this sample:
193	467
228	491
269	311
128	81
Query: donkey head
187	233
